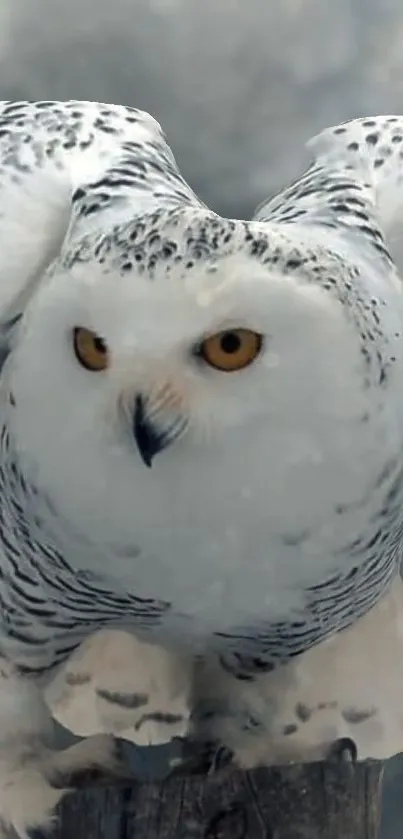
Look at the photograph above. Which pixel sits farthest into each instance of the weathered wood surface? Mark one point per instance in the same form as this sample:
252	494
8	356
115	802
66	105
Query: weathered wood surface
312	801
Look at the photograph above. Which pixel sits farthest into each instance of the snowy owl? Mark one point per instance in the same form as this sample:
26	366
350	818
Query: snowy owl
201	442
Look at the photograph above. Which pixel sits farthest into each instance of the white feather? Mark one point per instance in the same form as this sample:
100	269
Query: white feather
275	517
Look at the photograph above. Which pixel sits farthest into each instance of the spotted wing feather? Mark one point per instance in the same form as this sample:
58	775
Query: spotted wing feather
61	165
352	187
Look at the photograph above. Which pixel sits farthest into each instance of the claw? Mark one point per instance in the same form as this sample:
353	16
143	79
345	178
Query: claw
343	750
221	757
206	758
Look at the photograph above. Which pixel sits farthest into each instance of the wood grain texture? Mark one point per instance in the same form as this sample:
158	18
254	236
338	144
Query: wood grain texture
311	801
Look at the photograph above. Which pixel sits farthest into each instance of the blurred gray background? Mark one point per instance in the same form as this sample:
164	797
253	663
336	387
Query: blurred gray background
238	86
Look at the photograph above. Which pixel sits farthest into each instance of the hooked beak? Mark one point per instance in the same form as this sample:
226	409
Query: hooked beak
150	436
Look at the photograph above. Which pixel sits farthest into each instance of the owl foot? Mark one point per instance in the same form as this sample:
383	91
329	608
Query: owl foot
34	779
39	760
343	750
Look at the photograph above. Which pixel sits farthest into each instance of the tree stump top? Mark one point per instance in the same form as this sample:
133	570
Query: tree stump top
310	801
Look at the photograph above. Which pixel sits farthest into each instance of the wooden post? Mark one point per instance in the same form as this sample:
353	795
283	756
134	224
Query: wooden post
310	801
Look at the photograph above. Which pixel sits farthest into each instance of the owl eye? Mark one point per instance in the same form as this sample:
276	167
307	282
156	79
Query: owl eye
91	350
231	349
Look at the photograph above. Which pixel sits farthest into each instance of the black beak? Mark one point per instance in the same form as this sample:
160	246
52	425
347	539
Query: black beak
150	440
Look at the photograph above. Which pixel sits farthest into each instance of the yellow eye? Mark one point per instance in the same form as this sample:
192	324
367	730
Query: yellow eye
90	349
231	349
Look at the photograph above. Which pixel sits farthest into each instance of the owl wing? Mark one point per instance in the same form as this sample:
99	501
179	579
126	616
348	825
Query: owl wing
65	166
352	186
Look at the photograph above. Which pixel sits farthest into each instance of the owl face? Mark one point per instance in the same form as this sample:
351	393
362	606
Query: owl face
201	423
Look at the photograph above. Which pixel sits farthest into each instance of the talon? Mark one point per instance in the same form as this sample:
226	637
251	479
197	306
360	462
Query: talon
343	750
206	758
221	758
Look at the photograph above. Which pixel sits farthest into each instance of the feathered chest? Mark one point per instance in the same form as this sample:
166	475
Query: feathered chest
49	601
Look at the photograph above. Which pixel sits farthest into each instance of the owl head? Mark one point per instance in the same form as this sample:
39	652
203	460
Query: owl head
198	397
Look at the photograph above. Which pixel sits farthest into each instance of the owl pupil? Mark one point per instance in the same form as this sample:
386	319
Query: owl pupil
99	345
230	343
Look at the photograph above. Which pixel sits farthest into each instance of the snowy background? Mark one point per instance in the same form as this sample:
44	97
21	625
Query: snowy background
237	85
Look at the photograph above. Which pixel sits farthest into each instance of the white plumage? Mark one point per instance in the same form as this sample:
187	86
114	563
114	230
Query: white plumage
256	367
